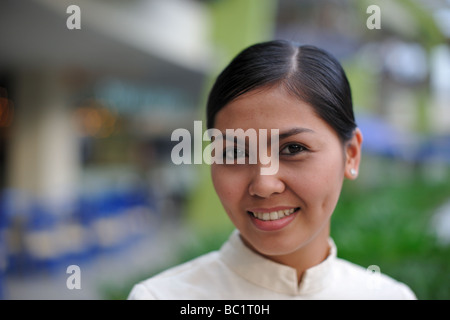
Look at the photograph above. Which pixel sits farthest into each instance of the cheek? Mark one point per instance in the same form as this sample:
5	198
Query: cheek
228	186
318	183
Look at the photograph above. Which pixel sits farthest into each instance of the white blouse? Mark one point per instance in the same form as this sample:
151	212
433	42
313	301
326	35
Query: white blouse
236	272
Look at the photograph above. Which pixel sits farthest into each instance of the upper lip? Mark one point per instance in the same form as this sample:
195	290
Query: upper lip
272	209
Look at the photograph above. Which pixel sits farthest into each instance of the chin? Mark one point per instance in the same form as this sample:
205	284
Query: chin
276	244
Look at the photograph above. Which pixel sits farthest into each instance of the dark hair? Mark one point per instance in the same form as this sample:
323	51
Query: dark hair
311	74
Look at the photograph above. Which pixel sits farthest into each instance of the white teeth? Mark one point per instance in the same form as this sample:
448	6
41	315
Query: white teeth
275	215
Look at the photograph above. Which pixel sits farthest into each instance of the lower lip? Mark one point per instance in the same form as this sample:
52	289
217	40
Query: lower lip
273	225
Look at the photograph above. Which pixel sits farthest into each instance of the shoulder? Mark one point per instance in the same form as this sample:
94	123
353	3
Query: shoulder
191	278
357	282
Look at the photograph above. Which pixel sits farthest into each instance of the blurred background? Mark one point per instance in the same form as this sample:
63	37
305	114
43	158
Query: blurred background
86	117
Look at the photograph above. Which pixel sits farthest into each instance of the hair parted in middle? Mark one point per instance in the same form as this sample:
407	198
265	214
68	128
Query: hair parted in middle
307	72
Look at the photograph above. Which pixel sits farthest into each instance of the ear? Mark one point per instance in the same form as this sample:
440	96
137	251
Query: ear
353	155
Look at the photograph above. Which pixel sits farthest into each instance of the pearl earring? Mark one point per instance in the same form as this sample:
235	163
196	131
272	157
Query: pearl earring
353	172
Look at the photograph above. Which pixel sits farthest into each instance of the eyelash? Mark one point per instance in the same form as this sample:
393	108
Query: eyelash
301	147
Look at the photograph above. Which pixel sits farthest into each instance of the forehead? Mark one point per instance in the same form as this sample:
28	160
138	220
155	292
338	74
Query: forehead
268	108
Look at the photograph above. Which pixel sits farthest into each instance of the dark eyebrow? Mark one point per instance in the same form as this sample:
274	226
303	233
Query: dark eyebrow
294	131
283	135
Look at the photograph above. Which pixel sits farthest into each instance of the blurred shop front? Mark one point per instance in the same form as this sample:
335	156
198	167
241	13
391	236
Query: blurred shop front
85	125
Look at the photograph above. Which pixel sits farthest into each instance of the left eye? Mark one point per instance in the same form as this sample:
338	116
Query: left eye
293	149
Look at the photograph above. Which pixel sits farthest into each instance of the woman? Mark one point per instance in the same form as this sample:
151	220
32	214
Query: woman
281	248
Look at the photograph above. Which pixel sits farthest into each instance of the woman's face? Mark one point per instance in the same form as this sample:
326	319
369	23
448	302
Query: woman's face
279	214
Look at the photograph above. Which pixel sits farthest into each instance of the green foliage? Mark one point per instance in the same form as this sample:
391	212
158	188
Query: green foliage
389	225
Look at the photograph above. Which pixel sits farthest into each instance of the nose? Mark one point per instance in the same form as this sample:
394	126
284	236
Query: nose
264	186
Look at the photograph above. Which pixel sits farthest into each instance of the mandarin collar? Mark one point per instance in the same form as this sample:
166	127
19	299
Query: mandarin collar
272	275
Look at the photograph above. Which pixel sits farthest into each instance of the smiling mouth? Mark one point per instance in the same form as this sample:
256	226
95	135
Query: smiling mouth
274	215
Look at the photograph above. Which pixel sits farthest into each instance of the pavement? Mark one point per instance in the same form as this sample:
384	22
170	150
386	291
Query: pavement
109	270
